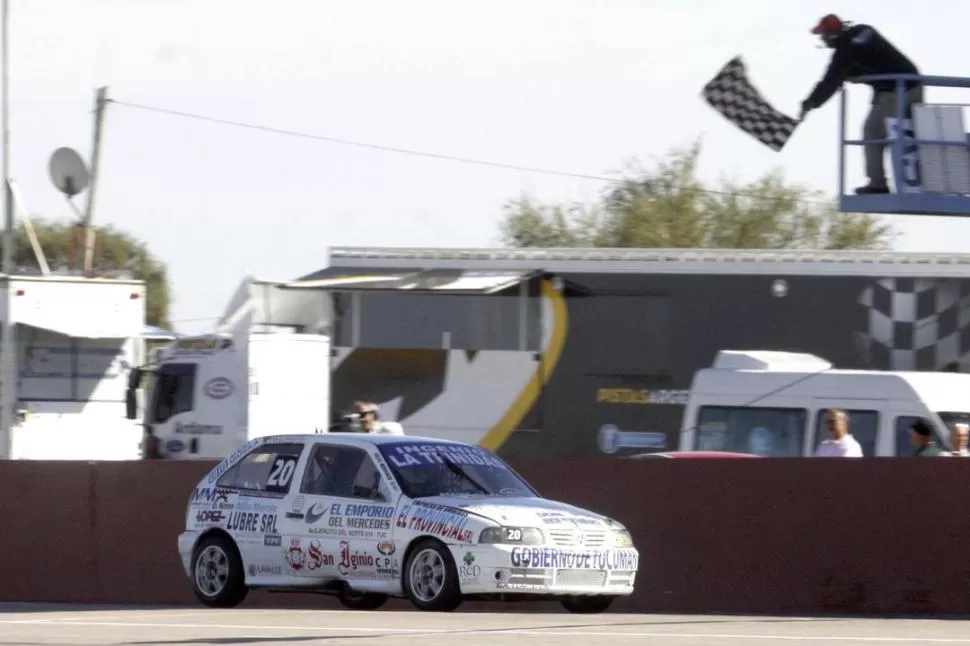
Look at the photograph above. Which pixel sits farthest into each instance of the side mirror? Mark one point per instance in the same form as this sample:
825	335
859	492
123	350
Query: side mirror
131	405
134	378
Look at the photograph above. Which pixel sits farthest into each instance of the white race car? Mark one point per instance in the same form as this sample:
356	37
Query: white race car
367	517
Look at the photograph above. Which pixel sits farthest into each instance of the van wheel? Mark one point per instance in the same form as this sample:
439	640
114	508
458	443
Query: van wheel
218	579
431	578
587	604
354	600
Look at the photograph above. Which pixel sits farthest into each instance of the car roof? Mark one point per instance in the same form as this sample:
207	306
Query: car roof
377	439
695	454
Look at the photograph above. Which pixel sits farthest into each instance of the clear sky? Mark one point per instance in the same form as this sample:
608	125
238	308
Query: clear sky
574	85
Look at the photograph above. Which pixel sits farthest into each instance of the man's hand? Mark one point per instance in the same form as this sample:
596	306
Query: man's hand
806	108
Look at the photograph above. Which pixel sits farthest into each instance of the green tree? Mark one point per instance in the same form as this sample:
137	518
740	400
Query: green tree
669	207
116	251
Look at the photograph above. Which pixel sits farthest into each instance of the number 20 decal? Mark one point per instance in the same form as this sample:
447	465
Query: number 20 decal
513	534
282	472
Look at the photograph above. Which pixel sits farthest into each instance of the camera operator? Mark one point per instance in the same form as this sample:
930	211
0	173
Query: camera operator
369	416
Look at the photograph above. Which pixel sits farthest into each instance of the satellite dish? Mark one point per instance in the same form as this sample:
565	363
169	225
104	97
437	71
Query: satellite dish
69	172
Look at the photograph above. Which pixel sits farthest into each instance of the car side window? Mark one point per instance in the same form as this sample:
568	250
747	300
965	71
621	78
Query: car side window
268	468
341	471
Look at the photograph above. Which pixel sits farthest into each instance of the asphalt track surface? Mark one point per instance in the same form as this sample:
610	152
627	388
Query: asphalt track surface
66	624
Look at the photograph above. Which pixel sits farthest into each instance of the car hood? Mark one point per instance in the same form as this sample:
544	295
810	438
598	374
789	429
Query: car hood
525	512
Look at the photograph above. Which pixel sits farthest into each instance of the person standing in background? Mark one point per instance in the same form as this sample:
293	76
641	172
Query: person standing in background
840	443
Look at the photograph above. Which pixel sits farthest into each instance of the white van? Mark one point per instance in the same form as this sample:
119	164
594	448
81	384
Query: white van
774	403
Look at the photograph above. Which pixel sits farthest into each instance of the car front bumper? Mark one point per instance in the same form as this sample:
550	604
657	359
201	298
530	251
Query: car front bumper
186	543
545	570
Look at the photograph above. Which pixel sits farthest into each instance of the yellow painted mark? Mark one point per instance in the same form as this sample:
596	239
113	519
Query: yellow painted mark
499	433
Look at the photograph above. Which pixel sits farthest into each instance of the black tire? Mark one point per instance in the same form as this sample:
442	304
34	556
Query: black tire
448	596
354	600
226	590
587	604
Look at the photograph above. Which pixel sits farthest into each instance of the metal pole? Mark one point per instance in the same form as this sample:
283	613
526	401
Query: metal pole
7	384
100	102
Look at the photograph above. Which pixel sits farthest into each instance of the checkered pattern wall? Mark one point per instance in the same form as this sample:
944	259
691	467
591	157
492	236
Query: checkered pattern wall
916	323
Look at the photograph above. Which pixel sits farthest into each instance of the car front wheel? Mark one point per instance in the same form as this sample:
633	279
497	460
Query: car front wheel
218	579
587	605
431	578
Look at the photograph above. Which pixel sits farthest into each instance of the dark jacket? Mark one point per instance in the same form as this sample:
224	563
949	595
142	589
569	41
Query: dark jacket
861	50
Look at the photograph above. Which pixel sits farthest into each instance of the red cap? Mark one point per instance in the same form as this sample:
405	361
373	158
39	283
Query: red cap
831	22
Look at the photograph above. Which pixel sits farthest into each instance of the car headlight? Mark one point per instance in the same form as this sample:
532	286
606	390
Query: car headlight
622	538
512	536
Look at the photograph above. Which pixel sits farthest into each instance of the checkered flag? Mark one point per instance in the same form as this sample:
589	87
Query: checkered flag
731	93
916	323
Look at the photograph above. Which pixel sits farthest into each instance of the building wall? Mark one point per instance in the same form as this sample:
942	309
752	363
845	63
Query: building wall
632	339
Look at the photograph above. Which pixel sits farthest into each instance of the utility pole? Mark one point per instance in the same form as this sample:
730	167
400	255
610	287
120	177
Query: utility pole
7	362
100	104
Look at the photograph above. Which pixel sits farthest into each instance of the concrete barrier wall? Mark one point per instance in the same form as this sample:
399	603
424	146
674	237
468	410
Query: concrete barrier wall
765	536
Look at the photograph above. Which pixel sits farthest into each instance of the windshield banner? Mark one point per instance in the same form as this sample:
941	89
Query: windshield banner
411	454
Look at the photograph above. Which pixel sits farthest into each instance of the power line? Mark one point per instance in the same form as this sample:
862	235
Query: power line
407	151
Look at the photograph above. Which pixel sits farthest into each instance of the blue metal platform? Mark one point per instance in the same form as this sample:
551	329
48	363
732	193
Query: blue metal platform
931	154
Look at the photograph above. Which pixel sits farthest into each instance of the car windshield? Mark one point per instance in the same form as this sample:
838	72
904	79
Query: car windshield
433	469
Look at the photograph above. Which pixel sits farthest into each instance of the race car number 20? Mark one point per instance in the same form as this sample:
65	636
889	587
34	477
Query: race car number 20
281	473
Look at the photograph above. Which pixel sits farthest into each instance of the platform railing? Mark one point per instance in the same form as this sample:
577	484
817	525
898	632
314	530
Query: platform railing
924	202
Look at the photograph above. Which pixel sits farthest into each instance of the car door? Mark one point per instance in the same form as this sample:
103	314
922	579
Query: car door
346	511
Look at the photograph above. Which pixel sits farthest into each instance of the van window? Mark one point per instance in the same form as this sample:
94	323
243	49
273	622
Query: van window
269	468
905	448
768	432
174	390
863	426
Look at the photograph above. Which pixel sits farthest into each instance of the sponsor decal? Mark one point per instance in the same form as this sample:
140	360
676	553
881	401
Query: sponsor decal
265	570
417	454
247	521
468	569
521	586
641	396
209	516
386	472
561	518
207	495
255	506
218	388
198	429
353	560
386	547
174	446
311	558
224	466
437	520
352	520
554	558
272	540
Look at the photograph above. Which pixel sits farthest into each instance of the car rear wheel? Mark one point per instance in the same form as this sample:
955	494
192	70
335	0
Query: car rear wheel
431	578
218	579
587	604
355	600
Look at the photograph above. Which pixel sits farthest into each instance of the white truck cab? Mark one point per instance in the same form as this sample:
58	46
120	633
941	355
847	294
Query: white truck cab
774	404
208	395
